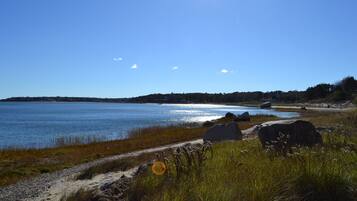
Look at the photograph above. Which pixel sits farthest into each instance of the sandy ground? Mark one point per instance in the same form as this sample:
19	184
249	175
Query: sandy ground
69	185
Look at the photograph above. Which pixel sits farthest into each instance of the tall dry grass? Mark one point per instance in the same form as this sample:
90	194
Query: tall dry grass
244	171
77	140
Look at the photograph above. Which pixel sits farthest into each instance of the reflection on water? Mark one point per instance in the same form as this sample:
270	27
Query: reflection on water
37	124
200	119
203	112
185	111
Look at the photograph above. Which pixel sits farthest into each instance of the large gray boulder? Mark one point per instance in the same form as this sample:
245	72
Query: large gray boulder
243	117
230	115
223	132
288	133
265	105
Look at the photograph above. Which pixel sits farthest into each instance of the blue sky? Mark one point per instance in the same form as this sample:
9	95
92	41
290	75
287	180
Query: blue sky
117	48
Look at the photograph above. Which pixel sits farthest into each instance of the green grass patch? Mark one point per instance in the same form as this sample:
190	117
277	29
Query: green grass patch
244	171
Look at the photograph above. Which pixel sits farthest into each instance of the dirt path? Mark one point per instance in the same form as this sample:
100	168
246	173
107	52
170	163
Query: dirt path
53	185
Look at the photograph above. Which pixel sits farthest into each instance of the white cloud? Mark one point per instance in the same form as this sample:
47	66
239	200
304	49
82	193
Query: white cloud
224	71
134	66
175	68
117	59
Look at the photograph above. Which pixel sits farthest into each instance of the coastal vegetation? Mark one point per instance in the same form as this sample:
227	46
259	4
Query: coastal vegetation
243	170
18	164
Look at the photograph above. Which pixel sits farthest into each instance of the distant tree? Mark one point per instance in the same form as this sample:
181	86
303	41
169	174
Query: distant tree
343	90
340	95
319	91
348	84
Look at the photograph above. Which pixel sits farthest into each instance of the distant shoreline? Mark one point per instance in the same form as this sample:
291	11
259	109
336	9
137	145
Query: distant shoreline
276	105
342	94
63	99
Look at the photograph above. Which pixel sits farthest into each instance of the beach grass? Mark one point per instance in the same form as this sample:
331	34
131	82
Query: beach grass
18	164
244	171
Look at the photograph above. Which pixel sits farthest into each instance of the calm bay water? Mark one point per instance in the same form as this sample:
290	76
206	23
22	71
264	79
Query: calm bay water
37	124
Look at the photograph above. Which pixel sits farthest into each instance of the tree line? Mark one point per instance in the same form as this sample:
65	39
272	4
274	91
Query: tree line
340	91
343	90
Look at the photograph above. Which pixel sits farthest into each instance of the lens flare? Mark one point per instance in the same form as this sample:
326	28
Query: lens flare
158	168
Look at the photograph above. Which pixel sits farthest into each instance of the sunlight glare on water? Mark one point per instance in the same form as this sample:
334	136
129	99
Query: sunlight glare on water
37	124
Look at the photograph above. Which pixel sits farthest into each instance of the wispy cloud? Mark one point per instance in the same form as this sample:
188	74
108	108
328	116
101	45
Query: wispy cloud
117	59
224	71
134	66
175	68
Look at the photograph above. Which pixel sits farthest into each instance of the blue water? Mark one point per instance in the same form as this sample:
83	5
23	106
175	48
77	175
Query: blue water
37	124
